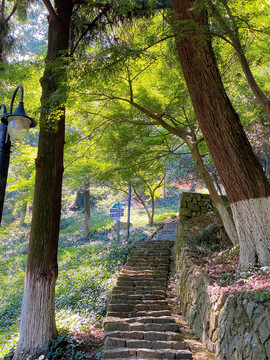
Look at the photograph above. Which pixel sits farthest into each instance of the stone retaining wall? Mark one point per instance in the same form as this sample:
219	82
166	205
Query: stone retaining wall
195	204
232	326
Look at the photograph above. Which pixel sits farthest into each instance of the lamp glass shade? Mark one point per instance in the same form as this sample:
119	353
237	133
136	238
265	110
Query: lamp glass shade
18	126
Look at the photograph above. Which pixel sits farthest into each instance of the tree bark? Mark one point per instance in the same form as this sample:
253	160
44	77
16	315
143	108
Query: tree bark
164	186
23	214
152	209
240	171
38	317
87	212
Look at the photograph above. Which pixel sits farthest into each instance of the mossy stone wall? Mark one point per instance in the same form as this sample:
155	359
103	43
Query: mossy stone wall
195	204
231	325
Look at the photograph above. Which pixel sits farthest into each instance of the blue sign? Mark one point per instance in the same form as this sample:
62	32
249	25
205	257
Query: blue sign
118	206
116	211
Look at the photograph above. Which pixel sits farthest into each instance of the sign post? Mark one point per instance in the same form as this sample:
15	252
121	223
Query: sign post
116	212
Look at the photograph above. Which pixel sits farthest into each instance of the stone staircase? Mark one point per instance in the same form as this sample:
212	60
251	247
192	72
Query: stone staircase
139	324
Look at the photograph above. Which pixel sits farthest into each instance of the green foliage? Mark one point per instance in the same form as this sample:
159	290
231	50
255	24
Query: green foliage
92	270
30	37
11	292
204	241
64	347
22	161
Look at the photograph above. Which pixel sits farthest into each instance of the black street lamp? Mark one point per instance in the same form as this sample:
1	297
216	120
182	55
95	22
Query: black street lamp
13	126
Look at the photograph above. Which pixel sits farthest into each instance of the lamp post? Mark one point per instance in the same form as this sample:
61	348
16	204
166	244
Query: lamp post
14	125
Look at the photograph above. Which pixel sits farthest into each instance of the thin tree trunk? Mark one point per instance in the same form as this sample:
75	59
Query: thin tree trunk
37	318
152	209
139	198
87	212
241	173
217	200
234	37
23	214
164	186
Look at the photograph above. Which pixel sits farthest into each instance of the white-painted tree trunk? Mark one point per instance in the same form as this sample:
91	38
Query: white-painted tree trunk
37	316
252	221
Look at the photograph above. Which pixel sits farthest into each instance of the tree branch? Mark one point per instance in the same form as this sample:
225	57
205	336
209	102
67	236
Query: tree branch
159	184
3	9
51	10
12	11
106	7
142	123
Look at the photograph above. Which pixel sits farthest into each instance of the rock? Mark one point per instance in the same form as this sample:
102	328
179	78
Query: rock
264	331
267	348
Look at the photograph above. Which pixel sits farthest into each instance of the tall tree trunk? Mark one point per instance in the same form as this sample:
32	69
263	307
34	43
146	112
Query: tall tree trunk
87	212
246	185
38	309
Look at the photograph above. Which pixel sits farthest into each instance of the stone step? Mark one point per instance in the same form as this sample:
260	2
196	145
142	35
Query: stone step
129	353
138	326
127	274
134	291
136	297
142	284
170	237
138	301
151	254
114	343
150	259
129	307
132	272
153	244
141	280
140	255
139	358
146	335
125	314
168	233
143	320
143	261
155	247
141	267
129	289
